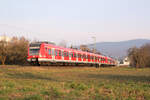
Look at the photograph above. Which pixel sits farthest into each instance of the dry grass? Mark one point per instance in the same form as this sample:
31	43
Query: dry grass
73	83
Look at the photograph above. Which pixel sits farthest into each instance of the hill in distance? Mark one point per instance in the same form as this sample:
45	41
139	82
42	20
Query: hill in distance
118	49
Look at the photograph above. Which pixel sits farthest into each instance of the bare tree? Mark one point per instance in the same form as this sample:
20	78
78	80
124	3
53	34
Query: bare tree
18	50
14	51
84	48
3	51
140	57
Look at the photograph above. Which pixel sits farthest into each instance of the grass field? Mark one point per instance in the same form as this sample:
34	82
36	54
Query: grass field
73	83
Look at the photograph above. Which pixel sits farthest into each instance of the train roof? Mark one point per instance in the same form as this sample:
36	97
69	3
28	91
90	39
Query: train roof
67	49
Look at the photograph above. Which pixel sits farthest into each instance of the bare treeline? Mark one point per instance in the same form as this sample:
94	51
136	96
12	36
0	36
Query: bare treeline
14	51
140	57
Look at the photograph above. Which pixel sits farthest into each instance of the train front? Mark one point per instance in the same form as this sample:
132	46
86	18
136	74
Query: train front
33	53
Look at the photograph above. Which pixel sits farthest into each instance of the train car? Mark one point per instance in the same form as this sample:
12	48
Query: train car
46	53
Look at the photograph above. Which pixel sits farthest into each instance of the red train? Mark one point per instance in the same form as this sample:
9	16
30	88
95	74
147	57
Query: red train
45	53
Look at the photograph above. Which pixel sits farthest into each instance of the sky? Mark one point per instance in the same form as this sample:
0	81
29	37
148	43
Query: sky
76	21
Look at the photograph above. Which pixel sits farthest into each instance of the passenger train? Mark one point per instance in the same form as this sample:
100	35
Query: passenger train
40	53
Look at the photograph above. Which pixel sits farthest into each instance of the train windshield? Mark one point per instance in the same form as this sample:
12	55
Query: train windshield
34	51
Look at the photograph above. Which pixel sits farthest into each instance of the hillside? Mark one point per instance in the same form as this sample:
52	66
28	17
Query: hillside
119	49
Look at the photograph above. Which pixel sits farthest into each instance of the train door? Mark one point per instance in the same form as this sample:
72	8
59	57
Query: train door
74	56
84	57
79	57
46	52
66	55
59	55
62	55
95	59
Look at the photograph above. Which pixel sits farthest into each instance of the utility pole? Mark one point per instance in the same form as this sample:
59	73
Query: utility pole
94	47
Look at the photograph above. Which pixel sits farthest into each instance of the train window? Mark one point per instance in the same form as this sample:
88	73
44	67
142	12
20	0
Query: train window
49	51
84	56
62	52
65	54
74	55
69	54
46	49
34	51
104	59
101	59
59	52
95	58
56	52
89	57
53	52
79	55
98	58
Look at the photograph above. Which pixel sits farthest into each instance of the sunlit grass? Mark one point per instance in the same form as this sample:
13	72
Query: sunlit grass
73	83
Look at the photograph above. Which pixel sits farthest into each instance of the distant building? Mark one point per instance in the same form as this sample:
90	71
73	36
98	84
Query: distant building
5	38
125	62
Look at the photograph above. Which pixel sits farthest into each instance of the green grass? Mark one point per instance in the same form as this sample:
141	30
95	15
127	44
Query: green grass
73	83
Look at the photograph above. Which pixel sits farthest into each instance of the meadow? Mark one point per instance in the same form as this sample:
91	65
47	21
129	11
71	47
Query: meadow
74	83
